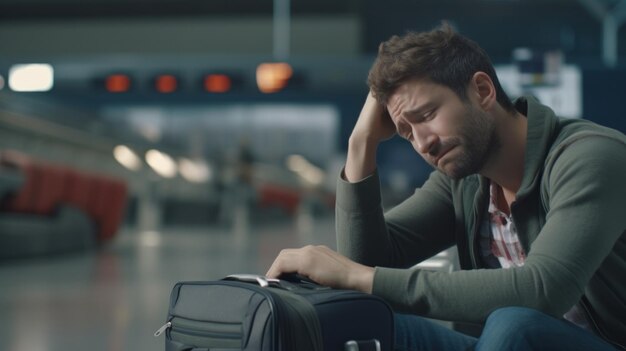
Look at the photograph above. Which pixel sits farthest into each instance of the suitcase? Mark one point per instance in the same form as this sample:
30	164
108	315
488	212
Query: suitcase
250	312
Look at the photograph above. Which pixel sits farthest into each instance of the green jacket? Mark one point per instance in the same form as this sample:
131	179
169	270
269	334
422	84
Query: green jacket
569	214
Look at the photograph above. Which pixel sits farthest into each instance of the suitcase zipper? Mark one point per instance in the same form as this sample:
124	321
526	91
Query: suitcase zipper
163	328
193	332
185	330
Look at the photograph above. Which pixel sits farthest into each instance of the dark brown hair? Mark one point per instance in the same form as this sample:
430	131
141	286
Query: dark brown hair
441	55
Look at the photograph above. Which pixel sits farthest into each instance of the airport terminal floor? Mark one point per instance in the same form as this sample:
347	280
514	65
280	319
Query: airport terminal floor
115	298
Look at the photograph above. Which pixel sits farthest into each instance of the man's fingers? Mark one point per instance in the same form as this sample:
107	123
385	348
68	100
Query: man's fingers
285	262
300	261
323	265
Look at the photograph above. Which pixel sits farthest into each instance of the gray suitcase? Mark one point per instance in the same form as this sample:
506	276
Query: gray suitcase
248	312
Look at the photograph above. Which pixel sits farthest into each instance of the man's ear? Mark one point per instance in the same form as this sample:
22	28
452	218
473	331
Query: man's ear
483	90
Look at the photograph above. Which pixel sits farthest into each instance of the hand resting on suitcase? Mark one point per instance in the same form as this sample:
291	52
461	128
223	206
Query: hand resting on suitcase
297	278
325	267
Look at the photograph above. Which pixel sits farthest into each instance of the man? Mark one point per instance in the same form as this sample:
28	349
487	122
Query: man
534	204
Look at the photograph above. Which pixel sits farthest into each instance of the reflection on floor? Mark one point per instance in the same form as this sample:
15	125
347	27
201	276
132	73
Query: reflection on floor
115	299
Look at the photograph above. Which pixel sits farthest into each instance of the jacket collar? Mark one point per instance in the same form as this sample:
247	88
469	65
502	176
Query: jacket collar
542	124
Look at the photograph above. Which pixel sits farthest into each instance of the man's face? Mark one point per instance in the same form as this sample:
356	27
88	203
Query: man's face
452	135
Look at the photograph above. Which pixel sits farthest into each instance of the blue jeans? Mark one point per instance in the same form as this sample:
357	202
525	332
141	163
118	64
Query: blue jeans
508	328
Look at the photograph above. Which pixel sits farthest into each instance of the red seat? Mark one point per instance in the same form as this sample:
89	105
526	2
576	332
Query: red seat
275	195
48	186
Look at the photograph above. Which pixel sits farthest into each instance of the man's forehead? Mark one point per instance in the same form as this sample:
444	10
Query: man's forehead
393	105
414	86
411	93
417	92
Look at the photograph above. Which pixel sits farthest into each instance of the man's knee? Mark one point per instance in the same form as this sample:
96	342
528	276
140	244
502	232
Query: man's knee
511	328
519	328
515	315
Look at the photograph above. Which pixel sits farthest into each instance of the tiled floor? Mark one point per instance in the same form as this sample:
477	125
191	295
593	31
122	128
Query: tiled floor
116	298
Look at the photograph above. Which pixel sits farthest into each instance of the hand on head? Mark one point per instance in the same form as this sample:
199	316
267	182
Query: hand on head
373	127
374	122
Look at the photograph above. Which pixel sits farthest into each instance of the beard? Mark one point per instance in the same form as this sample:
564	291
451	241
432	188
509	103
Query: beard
477	141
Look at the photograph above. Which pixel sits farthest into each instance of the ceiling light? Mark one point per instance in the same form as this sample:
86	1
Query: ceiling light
31	77
127	157
161	163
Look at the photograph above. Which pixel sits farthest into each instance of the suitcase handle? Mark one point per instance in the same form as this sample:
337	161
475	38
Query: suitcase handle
262	280
291	281
362	345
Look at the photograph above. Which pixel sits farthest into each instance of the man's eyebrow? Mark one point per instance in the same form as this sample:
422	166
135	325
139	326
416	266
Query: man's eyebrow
418	110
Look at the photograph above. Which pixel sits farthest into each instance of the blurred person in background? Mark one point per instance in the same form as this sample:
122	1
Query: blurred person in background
533	202
237	193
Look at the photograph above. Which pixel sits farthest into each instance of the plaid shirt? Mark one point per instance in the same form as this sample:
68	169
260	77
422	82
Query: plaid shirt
504	242
499	243
501	248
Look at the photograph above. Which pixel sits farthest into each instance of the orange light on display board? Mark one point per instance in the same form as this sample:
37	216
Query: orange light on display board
117	83
166	83
273	77
217	83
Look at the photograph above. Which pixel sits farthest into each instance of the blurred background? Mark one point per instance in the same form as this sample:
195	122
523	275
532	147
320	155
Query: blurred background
148	142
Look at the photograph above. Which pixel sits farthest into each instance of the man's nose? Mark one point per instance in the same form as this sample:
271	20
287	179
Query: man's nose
425	140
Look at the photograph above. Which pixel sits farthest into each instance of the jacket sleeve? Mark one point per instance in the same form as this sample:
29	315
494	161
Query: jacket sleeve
584	184
411	232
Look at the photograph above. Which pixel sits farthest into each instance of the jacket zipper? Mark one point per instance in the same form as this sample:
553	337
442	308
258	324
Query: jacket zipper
475	235
479	210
